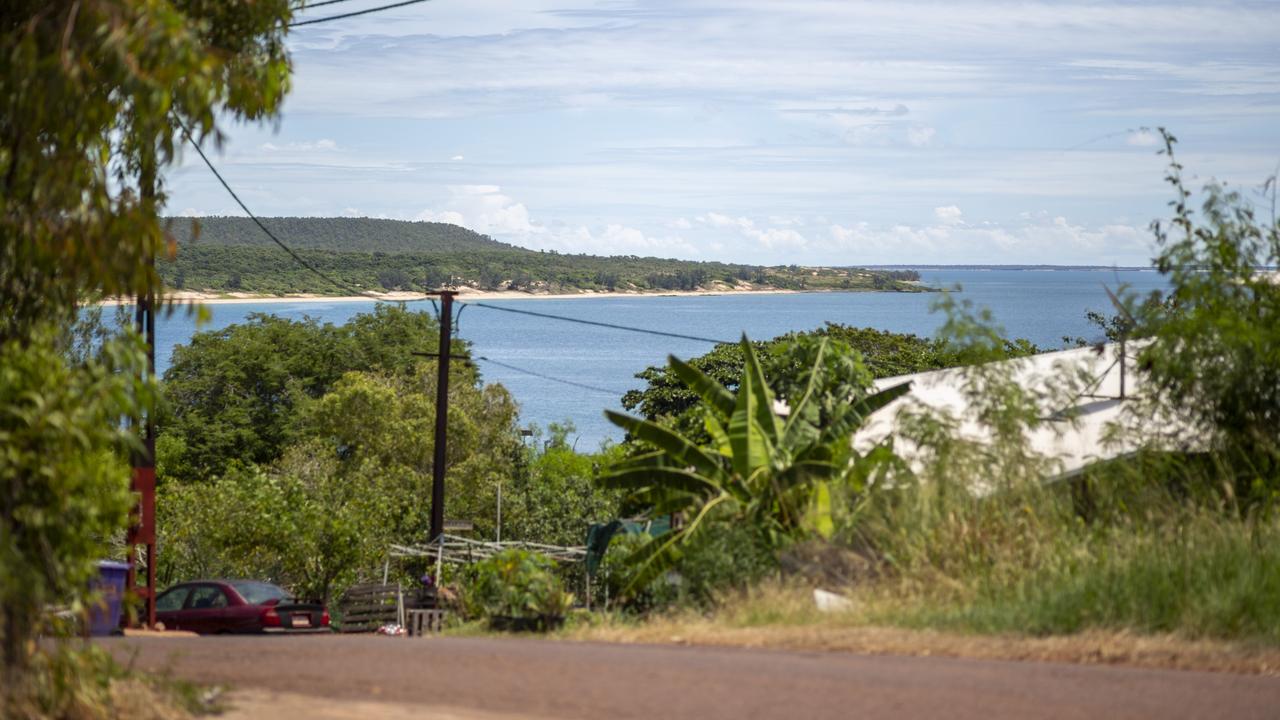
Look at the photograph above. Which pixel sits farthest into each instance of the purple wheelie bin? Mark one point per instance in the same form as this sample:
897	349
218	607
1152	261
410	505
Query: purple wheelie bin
104	616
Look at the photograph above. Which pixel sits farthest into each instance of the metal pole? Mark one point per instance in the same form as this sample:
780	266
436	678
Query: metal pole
1123	355
442	414
499	538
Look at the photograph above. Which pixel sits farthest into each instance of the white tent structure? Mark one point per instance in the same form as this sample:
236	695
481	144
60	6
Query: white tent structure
1080	392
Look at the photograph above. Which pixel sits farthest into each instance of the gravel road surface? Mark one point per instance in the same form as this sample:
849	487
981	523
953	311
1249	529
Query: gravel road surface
487	677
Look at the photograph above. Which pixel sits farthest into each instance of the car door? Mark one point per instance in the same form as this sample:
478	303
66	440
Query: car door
205	611
169	606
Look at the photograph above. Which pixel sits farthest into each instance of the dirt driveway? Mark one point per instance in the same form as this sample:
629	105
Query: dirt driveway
348	677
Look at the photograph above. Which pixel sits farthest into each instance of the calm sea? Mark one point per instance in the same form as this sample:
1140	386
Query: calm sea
1040	305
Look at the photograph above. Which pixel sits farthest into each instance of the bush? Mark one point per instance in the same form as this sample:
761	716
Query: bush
64	484
1211	358
516	584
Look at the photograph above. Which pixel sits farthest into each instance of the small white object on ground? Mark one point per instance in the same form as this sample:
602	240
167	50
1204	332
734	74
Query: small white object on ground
831	602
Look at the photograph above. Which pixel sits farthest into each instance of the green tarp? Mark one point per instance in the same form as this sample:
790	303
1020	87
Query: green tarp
600	534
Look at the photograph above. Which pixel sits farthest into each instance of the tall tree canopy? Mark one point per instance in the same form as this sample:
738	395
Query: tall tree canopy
235	394
94	96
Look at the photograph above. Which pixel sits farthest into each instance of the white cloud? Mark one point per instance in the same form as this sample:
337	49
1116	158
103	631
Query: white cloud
483	208
487	210
949	215
621	123
769	238
921	136
1142	138
1028	243
648	53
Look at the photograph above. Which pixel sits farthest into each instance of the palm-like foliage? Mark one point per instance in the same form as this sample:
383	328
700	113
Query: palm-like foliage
783	475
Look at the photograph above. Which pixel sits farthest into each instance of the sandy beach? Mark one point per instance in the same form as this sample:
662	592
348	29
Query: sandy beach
191	297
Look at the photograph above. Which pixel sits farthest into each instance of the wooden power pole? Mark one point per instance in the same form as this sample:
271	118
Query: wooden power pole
442	414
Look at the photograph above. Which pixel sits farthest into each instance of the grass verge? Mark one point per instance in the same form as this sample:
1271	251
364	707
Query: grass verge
1022	578
83	681
785	618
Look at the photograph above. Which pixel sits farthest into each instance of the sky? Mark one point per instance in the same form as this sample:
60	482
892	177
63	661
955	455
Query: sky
765	131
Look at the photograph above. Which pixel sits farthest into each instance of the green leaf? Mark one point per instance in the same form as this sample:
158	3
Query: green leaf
857	413
763	401
798	423
661	553
683	452
677	479
819	516
747	439
718	434
652	559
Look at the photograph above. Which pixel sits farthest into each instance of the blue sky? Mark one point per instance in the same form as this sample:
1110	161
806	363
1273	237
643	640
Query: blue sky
809	132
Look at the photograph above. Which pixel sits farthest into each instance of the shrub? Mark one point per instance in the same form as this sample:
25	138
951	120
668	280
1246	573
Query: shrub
515	584
64	485
732	558
1211	361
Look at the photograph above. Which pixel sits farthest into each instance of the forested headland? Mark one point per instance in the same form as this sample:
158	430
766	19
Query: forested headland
231	254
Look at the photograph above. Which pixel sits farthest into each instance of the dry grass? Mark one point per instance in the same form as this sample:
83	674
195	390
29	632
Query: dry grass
138	700
72	680
786	619
254	704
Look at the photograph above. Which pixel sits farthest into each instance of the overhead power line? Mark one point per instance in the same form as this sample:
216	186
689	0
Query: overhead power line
310	5
597	323
352	14
544	376
187	133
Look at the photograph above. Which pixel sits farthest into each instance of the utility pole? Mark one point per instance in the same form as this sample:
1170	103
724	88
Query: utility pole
142	533
442	414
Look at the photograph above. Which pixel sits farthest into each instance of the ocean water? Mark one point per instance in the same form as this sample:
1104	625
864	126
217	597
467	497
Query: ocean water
1040	305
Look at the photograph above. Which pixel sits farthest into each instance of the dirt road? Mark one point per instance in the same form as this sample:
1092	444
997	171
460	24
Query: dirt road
370	676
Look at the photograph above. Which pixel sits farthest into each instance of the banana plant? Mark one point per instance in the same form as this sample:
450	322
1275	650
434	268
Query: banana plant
780	473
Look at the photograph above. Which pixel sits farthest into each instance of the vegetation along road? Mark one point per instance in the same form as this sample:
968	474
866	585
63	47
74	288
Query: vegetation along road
483	677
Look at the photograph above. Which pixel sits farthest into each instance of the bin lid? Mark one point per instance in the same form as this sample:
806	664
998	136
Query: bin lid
112	565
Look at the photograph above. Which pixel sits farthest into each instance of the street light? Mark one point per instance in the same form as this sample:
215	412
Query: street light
524	433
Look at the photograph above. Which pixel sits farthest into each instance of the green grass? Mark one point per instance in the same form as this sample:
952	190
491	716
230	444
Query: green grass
1210	578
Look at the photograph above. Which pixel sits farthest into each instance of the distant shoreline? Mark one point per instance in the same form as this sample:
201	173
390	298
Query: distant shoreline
465	294
1121	268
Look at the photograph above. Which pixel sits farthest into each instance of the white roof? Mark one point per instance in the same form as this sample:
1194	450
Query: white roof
1078	391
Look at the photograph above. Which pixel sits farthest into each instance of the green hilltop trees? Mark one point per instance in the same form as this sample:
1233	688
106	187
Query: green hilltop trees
224	254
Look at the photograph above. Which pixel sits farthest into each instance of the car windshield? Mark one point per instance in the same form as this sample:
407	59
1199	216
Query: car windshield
256	593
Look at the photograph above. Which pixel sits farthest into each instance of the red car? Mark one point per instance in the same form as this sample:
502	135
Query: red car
211	607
